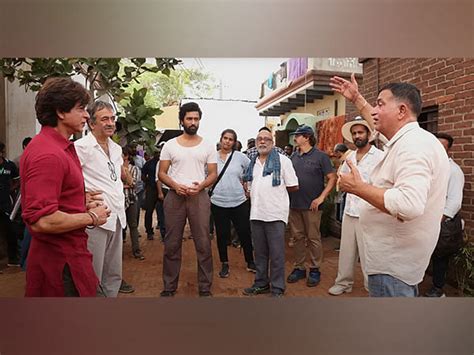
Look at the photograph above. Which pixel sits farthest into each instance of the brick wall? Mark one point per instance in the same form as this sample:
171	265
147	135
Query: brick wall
446	82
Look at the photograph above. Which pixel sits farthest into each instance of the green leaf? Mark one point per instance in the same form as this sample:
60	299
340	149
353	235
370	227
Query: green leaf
133	127
149	124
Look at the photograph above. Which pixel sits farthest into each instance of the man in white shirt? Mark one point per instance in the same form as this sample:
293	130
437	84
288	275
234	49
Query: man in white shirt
445	249
269	178
404	200
182	168
101	162
366	157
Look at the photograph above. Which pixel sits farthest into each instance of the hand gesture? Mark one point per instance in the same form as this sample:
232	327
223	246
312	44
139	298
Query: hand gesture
194	189
94	199
316	203
350	90
181	190
102	212
351	181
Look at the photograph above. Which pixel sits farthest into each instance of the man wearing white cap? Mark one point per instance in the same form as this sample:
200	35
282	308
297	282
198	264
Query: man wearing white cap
366	157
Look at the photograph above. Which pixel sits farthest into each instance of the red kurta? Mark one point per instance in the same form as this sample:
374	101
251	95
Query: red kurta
51	180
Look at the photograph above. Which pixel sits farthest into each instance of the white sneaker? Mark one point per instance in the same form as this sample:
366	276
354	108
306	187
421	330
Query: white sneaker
337	290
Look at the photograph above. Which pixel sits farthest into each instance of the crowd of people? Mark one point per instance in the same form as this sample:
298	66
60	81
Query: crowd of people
398	197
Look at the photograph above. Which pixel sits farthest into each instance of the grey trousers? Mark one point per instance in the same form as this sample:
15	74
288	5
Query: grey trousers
106	249
197	210
269	246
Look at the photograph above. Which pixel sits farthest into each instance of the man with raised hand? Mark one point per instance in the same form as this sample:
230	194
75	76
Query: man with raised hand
404	200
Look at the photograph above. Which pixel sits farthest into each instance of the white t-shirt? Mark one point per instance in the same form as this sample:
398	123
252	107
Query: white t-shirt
271	203
188	163
103	174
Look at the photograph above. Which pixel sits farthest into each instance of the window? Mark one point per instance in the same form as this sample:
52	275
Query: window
428	119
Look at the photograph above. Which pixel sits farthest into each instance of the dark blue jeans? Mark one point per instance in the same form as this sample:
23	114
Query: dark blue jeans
25	246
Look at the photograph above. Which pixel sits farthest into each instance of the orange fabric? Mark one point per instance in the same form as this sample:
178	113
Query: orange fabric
329	133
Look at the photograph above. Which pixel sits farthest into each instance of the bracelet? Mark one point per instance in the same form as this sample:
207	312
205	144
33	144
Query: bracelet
95	218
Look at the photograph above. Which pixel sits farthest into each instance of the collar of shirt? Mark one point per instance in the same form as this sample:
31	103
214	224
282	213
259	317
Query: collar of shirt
56	137
91	141
401	132
370	152
309	152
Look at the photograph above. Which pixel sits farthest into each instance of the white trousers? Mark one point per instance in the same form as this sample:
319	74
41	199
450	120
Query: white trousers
352	248
106	248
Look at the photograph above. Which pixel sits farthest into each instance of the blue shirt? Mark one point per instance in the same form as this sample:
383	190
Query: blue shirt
311	169
229	192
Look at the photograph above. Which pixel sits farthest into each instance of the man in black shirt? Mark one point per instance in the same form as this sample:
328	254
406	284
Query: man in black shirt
151	192
9	181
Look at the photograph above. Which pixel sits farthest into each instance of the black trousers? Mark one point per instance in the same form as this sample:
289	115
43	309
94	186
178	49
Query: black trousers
6	229
151	198
70	289
240	217
440	268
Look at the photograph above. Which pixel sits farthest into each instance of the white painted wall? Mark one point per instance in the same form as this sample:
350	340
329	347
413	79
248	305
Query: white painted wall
20	117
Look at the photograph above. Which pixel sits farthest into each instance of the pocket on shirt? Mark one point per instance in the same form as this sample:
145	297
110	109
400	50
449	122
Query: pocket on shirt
311	167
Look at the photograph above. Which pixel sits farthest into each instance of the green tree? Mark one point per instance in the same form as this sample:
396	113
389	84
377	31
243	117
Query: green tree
110	76
166	90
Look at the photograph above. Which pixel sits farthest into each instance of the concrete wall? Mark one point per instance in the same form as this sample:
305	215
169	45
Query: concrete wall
20	118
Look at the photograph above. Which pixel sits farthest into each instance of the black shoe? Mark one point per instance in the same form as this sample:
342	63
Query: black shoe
138	255
435	292
126	288
150	236
251	267
224	273
236	244
277	294
313	278
255	290
167	293
296	275
205	294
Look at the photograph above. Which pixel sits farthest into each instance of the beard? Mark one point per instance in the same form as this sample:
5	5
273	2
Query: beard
263	150
191	130
361	143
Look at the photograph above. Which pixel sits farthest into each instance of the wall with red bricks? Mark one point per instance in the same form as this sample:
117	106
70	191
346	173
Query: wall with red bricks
446	82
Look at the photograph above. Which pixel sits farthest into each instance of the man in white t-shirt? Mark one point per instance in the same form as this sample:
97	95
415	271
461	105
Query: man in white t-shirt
183	168
101	162
269	178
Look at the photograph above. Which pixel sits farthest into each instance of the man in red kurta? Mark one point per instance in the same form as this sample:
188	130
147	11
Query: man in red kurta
53	198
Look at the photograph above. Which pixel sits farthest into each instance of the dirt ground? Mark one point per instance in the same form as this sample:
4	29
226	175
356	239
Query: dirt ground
145	275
